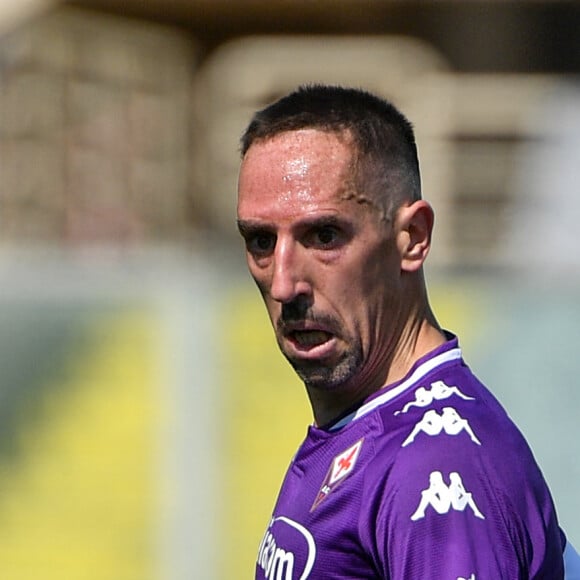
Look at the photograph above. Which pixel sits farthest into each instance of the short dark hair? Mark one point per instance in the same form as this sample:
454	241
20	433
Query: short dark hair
383	137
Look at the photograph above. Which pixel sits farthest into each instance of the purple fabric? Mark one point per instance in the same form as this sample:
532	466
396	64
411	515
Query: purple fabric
428	480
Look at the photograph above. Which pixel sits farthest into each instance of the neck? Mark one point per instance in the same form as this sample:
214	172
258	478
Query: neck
412	347
419	338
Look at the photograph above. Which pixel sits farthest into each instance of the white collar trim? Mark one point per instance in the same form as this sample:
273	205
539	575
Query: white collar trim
390	394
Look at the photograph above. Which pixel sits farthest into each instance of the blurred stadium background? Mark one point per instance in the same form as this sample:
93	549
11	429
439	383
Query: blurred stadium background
146	418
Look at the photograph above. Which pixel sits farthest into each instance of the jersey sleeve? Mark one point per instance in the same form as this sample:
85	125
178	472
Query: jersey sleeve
448	510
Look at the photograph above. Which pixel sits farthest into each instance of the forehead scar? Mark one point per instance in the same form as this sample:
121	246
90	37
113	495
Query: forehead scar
382	211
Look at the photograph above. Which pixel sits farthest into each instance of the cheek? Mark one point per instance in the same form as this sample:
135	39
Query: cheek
372	293
365	280
346	284
268	302
273	310
262	282
259	275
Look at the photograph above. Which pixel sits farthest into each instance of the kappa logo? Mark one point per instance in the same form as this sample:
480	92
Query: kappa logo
433	424
442	497
341	466
472	577
438	392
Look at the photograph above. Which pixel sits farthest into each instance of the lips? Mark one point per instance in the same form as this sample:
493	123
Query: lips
309	343
312	338
309	338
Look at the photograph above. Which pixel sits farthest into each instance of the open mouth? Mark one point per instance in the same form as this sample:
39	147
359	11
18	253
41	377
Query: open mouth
309	338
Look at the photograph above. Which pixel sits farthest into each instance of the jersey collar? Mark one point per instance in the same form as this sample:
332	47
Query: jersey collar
448	352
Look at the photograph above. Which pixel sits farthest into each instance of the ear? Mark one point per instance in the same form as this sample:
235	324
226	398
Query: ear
414	227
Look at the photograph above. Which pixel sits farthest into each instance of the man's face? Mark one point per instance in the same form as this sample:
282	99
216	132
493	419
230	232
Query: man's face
326	265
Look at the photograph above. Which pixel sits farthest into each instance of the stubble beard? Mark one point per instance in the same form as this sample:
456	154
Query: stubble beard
330	376
320	374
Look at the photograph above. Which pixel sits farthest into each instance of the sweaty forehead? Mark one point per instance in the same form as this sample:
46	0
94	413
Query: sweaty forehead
301	161
299	171
296	150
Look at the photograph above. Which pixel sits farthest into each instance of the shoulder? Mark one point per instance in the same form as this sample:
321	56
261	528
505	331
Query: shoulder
459	470
454	425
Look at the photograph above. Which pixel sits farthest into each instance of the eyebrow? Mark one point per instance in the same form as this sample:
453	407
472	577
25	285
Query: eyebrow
252	226
249	226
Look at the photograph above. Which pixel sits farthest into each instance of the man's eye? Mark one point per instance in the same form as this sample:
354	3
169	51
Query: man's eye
326	236
261	243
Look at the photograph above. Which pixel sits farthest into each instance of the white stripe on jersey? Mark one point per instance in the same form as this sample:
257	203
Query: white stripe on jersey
421	371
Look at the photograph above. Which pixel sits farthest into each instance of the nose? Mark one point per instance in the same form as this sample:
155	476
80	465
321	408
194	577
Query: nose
288	279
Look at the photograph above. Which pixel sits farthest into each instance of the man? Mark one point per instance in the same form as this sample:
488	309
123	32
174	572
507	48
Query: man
412	470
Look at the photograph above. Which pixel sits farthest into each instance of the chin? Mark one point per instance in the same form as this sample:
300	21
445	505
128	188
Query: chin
326	377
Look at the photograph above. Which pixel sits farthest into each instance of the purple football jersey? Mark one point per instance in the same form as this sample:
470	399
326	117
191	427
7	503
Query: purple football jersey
428	480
